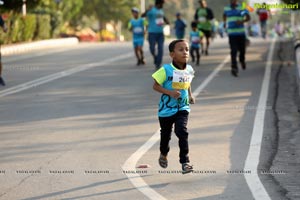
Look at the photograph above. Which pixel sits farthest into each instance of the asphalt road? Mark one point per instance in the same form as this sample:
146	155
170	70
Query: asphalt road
75	123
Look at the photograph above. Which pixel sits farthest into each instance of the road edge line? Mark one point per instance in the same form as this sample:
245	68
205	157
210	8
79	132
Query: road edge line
255	185
58	75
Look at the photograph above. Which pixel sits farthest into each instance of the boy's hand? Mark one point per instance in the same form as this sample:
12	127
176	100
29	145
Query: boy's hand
175	94
192	99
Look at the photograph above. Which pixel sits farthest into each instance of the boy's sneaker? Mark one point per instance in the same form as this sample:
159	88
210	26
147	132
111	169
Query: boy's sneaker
2	81
243	64
163	161
187	168
234	72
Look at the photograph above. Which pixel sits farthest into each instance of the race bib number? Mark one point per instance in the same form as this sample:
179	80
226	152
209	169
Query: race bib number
181	80
195	39
138	30
159	21
202	19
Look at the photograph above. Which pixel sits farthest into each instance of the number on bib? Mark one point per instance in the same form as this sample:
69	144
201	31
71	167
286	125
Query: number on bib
181	80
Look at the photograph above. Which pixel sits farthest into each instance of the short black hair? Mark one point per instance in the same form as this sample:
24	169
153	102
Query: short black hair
194	24
173	44
159	2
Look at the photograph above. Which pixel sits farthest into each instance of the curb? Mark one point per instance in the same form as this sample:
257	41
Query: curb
22	48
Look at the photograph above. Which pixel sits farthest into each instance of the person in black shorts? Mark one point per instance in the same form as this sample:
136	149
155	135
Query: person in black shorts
204	16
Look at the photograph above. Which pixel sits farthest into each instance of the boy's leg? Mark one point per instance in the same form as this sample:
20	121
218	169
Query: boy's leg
198	56
160	49
207	38
142	56
233	42
166	124
141	52
182	134
192	54
152	41
242	50
136	51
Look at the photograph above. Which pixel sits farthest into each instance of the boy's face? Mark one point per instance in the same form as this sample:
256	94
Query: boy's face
135	14
181	53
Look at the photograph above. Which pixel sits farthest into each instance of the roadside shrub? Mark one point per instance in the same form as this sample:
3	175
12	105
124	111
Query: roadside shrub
29	27
43	29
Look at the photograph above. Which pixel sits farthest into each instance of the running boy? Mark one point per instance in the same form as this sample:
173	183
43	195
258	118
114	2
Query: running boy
195	41
137	26
174	82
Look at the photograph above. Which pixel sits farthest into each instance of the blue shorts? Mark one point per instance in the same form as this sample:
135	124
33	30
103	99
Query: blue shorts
138	42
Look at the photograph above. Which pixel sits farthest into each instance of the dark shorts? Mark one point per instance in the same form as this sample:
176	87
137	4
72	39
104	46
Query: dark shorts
206	33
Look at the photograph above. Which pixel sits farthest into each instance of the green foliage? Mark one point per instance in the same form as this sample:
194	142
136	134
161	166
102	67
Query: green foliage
29	27
43	30
71	9
110	10
56	23
23	29
16	5
16	26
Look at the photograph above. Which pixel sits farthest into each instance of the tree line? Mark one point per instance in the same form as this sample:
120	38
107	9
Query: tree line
49	18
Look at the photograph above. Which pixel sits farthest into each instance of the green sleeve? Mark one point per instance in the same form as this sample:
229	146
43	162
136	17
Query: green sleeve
160	76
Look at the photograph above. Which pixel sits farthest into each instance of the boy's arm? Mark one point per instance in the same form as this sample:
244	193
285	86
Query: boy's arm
191	96
201	36
173	93
129	26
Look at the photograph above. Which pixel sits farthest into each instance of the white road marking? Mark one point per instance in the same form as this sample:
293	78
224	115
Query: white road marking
52	77
131	162
256	187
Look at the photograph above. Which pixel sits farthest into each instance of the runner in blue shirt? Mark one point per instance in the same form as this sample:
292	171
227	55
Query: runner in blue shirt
137	26
156	20
196	37
234	18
